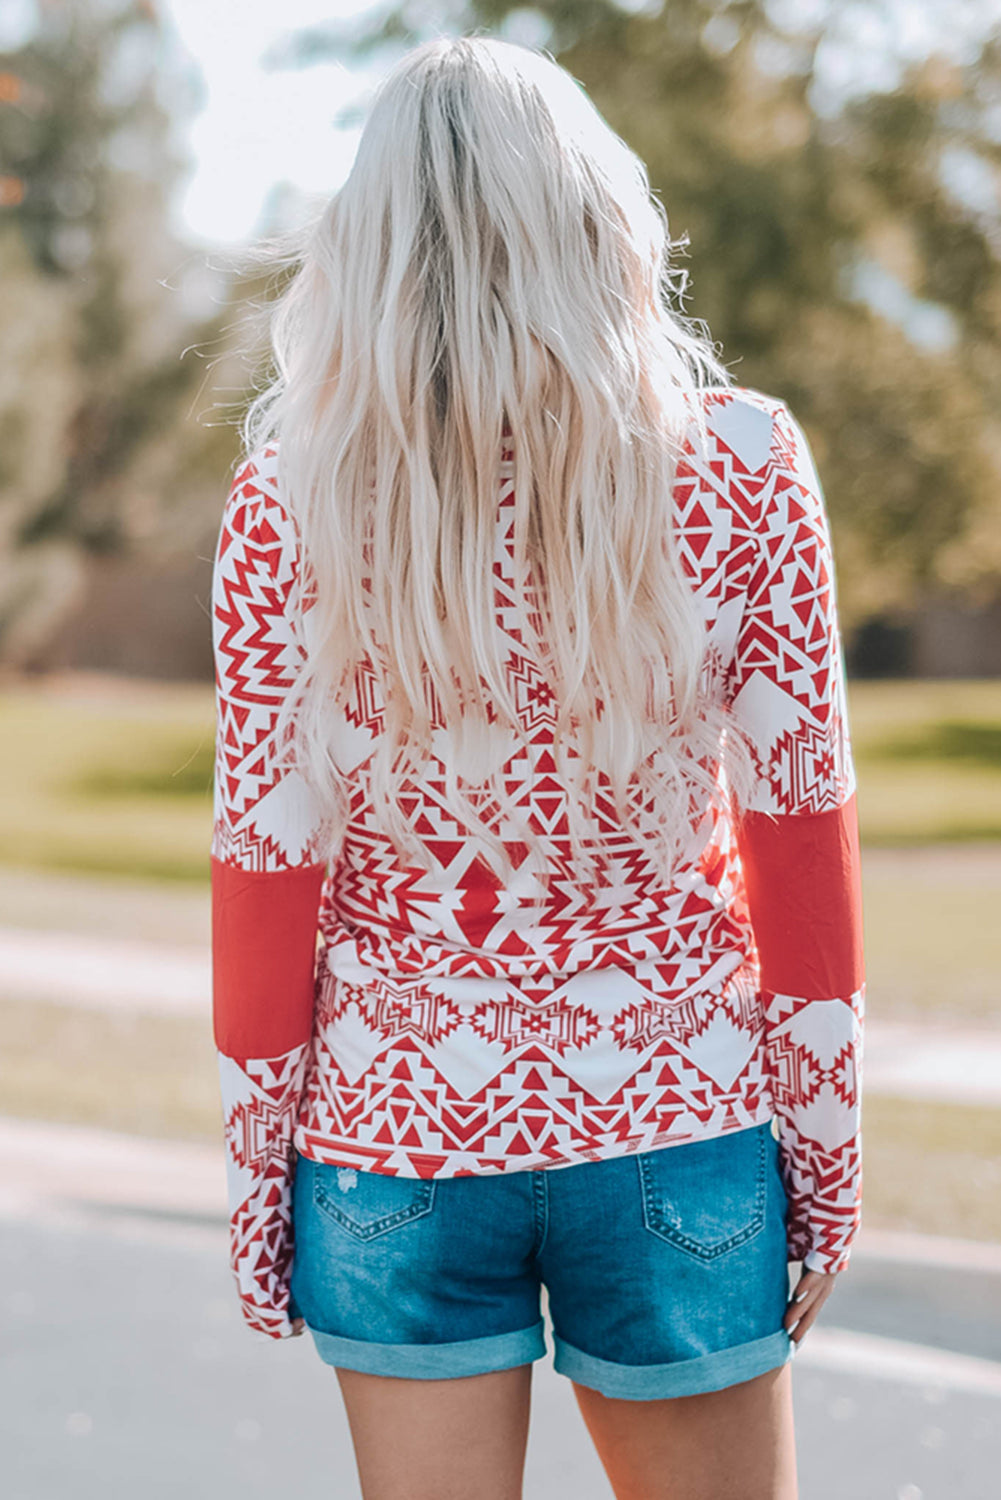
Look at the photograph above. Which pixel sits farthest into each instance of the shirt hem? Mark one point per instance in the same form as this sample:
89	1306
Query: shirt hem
397	1161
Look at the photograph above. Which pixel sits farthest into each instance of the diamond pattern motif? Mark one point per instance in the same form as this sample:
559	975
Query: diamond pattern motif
464	1026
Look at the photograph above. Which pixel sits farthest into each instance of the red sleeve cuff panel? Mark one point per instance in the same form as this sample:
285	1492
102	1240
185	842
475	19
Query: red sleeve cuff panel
803	878
264	926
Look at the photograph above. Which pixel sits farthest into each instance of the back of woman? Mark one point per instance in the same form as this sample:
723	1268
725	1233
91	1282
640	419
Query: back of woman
535	842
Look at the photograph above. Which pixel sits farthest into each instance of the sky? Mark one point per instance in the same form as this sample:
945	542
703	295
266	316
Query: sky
255	125
260	125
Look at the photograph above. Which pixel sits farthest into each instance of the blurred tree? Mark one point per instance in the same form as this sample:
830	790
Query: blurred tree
845	250
94	387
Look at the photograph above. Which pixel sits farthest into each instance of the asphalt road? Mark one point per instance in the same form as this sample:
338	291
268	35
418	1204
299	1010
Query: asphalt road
126	1371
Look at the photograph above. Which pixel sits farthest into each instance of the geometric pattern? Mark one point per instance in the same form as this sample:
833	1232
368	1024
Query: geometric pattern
263	815
462	1025
814	1052
260	1102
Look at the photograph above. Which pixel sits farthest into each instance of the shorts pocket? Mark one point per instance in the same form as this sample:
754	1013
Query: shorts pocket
369	1204
707	1197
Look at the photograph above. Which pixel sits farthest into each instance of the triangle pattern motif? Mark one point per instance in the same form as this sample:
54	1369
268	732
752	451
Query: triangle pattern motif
464	1025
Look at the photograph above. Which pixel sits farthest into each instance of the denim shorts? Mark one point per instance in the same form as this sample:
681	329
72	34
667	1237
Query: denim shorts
665	1271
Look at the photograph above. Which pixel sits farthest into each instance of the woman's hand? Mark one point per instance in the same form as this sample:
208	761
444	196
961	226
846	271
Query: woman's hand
808	1297
298	1324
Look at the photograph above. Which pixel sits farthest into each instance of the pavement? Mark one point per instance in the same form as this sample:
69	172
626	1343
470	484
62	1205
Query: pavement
927	1061
126	1368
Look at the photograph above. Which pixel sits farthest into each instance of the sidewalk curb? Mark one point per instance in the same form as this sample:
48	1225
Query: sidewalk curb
44	1165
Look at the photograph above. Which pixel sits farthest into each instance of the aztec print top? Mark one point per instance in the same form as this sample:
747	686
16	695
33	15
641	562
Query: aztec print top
371	1014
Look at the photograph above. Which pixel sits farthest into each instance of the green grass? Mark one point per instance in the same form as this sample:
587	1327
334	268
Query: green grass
954	742
172	770
107	781
932	1168
113	781
932	935
928	756
113	777
145	1075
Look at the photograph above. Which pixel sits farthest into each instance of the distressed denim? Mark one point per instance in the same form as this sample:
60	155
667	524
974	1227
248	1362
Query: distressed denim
665	1272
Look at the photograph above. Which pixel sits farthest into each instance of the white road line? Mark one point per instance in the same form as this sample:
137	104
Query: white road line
941	1252
900	1060
932	1062
41	1162
72	1176
72	969
118	1224
45	1160
826	1348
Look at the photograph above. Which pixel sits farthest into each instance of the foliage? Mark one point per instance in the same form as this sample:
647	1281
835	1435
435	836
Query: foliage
96	392
844	252
841	246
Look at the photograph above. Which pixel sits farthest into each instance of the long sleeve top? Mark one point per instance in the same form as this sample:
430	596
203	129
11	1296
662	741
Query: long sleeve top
372	1013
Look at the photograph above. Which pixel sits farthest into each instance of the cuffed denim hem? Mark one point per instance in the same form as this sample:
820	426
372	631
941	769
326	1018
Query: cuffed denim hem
686	1377
500	1351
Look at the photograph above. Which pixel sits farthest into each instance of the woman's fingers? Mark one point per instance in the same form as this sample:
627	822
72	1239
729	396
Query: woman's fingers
805	1321
811	1292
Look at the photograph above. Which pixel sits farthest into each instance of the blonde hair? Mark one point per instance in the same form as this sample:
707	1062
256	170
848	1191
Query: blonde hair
494	257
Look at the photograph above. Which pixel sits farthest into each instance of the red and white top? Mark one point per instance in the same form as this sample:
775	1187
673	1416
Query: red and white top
446	1024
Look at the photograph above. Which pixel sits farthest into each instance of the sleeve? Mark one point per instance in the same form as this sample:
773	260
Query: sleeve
798	843
266	874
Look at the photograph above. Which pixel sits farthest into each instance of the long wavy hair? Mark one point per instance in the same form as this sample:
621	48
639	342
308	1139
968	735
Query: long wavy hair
494	276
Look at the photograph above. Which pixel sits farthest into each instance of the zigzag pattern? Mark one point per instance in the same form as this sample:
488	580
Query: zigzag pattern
465	1026
260	1100
263	817
404	1106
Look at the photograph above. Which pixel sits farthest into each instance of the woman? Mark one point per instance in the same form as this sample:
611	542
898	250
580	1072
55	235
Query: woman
531	706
